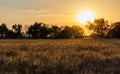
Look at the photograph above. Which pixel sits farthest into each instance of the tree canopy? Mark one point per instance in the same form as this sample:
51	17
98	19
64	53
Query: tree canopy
114	32
100	28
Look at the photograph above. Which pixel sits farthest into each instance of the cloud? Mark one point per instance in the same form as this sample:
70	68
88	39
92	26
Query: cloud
36	10
47	12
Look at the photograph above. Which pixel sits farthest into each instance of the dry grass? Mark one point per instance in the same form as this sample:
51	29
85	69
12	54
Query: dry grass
99	56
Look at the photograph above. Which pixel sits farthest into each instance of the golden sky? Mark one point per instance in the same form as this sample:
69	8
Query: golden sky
62	12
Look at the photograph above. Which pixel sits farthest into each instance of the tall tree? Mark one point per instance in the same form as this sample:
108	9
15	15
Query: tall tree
66	32
38	30
3	30
55	31
33	30
44	31
10	34
17	29
114	32
77	31
100	27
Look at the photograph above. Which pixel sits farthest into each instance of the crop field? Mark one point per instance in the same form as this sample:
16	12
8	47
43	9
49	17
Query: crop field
67	56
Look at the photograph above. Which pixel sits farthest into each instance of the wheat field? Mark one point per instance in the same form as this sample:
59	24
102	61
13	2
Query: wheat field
67	56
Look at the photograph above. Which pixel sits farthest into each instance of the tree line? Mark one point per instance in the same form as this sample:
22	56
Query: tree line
100	28
41	30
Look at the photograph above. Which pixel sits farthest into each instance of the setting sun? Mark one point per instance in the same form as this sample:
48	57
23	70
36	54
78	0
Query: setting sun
85	16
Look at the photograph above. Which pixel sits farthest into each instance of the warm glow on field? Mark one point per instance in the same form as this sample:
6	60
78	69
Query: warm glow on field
85	16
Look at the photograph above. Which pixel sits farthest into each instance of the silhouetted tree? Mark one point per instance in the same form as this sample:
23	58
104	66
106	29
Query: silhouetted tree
17	30
33	30
66	32
3	30
44	31
100	27
38	30
10	34
77	31
71	32
54	32
114	32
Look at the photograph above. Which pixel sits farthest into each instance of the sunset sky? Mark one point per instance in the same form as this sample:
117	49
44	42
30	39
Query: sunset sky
55	11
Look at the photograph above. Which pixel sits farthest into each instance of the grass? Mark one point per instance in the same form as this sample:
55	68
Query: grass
79	56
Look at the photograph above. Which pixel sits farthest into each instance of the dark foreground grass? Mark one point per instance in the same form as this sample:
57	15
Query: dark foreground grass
60	56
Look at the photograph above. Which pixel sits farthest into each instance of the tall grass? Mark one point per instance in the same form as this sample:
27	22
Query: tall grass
80	56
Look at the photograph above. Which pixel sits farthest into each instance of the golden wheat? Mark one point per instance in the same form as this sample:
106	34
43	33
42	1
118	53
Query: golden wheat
73	56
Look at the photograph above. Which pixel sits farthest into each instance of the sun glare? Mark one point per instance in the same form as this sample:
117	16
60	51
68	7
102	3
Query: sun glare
85	16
